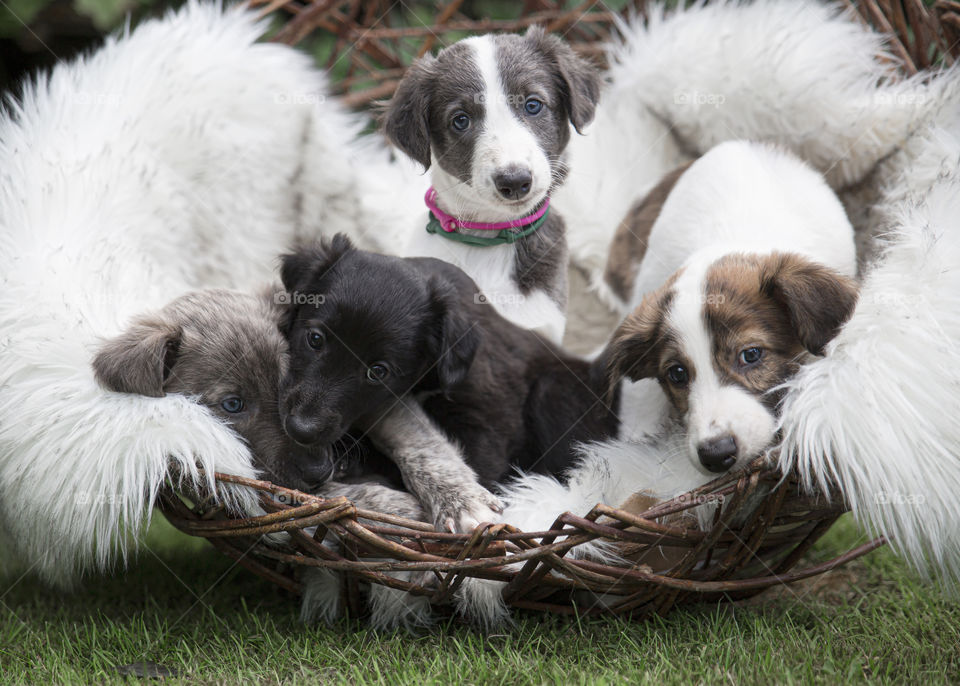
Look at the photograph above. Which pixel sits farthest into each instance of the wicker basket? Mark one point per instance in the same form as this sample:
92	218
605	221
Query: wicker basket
753	542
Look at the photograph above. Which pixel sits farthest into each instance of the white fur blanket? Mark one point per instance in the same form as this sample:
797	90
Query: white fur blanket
187	155
181	156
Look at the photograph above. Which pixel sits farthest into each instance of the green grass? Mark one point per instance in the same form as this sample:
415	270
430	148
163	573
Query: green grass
183	606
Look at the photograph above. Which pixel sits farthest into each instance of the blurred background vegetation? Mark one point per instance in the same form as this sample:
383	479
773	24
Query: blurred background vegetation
35	34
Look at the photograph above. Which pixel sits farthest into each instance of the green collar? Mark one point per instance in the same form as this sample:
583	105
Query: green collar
501	237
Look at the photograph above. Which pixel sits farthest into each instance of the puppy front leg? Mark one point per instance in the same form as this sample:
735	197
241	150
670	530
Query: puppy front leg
434	469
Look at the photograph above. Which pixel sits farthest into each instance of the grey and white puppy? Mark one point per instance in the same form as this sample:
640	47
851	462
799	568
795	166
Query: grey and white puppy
224	348
490	116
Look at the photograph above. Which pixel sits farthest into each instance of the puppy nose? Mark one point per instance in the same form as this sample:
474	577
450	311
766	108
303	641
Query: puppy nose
513	182
314	466
718	454
303	431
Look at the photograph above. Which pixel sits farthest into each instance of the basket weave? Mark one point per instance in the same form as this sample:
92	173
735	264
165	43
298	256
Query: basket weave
746	550
753	542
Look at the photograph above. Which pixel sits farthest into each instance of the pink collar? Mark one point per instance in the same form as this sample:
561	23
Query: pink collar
449	223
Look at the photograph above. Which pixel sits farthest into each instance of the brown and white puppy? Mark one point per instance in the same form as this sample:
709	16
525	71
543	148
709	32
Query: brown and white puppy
743	272
225	349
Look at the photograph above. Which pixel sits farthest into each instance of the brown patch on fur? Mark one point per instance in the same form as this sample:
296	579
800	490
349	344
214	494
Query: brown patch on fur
630	240
635	349
781	303
818	300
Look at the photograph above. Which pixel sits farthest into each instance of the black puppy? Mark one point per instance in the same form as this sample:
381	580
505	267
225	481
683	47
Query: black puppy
368	331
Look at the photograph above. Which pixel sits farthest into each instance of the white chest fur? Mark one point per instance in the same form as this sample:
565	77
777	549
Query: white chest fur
493	268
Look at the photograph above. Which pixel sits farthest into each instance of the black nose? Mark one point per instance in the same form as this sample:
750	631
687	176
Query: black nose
303	431
314	467
718	454
513	182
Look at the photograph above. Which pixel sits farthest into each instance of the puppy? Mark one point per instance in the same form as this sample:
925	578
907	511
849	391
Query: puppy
490	117
225	349
388	331
744	272
744	265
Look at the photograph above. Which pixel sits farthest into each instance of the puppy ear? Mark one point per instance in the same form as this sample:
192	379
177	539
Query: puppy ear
139	360
407	119
817	299
301	269
632	351
458	338
580	80
307	262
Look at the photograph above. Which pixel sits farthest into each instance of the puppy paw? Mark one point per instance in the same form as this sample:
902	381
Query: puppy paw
465	511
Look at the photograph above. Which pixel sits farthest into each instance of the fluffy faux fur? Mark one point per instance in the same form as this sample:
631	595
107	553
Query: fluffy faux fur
874	422
183	155
801	74
871	422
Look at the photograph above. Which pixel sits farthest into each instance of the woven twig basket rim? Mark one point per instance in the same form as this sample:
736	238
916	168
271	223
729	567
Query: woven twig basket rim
401	544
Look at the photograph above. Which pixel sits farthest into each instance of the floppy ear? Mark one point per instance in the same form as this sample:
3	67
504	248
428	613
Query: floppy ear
407	120
139	360
580	80
306	262
301	270
817	299
458	338
631	352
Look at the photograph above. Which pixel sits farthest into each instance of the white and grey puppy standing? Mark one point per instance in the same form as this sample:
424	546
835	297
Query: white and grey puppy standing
490	116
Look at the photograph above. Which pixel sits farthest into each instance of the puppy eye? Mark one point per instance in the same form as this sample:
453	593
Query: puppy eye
532	106
377	372
750	355
232	404
460	122
315	338
678	375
